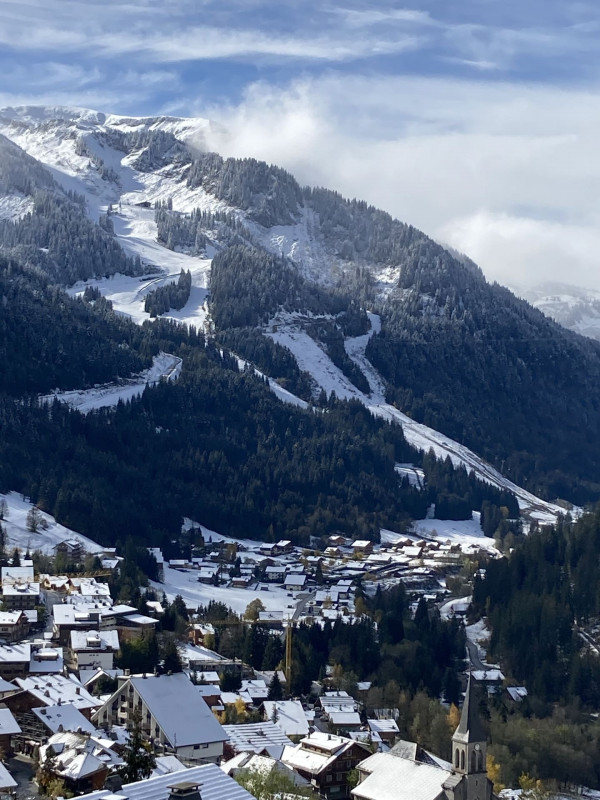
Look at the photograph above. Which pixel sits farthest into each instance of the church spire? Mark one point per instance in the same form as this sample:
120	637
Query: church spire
470	727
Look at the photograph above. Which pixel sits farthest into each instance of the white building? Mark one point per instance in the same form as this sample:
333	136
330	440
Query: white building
172	713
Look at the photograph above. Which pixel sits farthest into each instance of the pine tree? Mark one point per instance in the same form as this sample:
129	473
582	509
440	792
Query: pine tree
275	688
139	759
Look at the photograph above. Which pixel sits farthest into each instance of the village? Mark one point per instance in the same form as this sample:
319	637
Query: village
70	717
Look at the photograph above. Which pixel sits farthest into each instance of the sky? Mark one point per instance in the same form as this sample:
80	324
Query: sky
476	121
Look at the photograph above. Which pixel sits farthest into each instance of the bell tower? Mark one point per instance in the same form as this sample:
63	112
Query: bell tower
469	750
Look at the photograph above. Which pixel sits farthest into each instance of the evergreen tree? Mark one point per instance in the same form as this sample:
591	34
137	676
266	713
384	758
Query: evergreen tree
139	759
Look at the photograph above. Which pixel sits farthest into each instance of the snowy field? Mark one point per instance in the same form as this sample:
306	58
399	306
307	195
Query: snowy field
17	534
185	583
164	366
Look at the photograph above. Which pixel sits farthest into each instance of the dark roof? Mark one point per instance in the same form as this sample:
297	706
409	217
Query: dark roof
470	719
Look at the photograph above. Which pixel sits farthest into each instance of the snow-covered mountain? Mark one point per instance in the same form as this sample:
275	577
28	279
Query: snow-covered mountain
125	167
573	307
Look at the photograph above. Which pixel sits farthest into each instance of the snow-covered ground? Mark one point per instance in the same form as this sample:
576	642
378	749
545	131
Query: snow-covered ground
185	583
164	366
15	206
17	535
310	357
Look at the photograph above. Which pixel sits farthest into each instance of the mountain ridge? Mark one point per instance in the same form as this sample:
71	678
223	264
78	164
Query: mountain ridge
353	252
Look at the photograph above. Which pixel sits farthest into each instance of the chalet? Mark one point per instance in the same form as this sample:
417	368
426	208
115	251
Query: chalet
362	547
275	574
256	690
59	718
69	617
284	546
20	595
272	619
241	581
14	660
71	549
94	648
82	761
173	714
385	729
295	582
326	761
14	625
46	659
198	631
50	690
134	626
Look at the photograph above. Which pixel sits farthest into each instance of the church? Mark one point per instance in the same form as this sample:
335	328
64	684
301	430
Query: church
407	772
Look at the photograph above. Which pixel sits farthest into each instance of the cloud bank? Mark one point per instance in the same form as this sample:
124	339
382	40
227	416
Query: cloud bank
508	174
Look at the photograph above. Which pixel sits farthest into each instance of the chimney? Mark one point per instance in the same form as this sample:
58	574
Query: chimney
184	791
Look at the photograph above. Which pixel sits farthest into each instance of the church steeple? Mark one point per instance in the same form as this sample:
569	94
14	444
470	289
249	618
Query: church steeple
469	740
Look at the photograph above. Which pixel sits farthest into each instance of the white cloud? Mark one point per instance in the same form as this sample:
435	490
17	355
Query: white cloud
508	174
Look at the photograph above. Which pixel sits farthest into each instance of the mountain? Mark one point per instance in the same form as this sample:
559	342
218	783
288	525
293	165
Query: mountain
573	307
134	216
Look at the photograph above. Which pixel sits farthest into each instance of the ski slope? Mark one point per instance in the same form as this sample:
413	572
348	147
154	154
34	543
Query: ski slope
313	359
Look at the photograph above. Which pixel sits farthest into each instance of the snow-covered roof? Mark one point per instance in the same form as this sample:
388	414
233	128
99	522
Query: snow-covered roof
167	765
16	575
19	653
46	659
295	579
517	693
344	717
94	640
215	785
383	725
7	686
290	716
316	752
255	737
388	772
179	710
6	779
50	689
65	715
8	724
29	589
10	617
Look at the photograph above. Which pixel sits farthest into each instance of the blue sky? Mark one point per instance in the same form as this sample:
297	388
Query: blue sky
475	120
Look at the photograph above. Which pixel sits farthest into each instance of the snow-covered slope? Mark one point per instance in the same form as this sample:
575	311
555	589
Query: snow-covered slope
80	148
314	360
573	307
45	538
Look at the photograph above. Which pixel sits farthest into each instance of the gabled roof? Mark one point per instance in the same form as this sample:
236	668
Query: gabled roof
6	779
216	785
178	709
8	724
386	773
255	737
318	751
50	689
290	716
65	715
